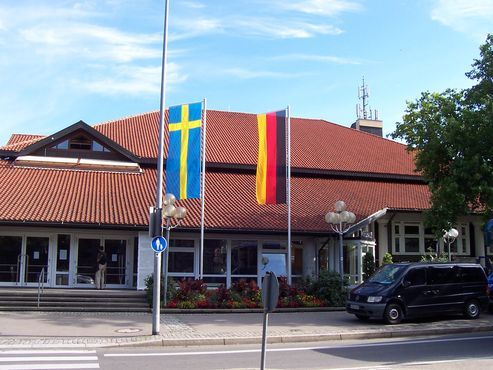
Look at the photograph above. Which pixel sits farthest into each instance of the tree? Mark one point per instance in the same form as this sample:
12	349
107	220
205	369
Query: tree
451	137
368	265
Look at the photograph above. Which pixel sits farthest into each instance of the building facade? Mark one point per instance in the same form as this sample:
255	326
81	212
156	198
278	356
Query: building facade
65	195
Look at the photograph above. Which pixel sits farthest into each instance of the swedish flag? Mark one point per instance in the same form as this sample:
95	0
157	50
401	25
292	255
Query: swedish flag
184	151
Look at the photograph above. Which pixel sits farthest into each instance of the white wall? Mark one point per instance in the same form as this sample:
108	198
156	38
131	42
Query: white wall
146	259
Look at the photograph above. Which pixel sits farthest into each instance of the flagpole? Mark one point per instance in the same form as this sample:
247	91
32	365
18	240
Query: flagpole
288	191
156	301
202	213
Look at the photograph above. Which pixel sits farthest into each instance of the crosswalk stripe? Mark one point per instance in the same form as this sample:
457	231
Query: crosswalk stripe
49	366
46	352
49	358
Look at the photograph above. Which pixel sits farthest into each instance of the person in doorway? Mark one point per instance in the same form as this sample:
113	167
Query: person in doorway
101	269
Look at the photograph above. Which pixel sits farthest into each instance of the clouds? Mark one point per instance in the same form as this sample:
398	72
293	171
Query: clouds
61	54
322	7
474	17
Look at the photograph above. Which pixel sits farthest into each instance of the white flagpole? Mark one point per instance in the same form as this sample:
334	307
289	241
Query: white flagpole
288	190
204	128
156	302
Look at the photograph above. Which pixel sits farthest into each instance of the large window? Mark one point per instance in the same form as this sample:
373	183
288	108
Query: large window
406	237
413	238
274	257
215	261
181	258
243	260
461	245
10	249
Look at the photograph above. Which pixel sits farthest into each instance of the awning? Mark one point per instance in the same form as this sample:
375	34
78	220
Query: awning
366	221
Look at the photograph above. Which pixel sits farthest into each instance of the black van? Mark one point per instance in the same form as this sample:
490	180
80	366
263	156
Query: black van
418	289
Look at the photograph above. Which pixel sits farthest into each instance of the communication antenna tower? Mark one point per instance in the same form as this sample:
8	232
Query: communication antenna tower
362	110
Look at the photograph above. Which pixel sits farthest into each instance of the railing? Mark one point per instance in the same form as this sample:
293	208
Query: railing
41	284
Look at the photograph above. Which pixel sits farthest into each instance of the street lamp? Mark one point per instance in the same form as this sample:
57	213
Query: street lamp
170	212
339	222
449	237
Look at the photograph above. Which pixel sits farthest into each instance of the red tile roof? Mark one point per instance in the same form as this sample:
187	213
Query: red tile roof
85	197
232	138
120	199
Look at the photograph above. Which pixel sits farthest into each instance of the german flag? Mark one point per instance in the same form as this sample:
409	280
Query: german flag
271	166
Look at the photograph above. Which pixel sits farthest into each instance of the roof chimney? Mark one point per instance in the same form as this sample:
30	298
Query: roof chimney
365	117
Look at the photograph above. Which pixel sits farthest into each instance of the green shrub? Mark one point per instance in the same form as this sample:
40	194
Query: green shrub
328	288
149	288
368	265
387	259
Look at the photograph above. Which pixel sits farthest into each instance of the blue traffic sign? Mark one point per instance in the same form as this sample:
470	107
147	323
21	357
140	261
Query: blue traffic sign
159	244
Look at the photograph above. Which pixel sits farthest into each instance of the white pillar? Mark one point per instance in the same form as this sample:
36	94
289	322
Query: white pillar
309	258
145	266
383	246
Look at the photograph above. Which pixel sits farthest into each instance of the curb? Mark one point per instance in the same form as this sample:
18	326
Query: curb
159	341
247	310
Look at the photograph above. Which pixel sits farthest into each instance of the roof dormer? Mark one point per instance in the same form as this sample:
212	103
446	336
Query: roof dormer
78	147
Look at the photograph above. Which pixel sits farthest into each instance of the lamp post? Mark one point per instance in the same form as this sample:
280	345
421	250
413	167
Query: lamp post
449	237
339	222
170	212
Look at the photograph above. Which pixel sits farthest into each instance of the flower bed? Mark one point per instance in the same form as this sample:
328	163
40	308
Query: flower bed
194	294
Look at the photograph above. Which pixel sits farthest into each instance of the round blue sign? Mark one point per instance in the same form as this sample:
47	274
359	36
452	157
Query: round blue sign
159	244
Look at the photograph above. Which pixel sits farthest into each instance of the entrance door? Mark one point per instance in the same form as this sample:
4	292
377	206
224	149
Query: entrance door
116	257
116	262
10	261
87	253
62	272
36	259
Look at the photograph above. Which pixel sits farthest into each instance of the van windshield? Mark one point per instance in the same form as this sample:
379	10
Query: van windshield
388	274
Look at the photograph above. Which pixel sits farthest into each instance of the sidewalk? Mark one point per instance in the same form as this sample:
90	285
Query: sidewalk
84	330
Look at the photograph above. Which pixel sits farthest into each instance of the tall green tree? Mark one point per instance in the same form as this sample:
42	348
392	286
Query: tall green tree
451	137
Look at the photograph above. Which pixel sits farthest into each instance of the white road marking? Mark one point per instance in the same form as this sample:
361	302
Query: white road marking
34	359
48	366
49	358
44	352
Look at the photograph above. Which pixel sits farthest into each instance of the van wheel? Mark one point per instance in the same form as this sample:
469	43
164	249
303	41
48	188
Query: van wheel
362	317
472	309
393	314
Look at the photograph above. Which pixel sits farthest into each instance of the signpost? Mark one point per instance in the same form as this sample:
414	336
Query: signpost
159	244
270	295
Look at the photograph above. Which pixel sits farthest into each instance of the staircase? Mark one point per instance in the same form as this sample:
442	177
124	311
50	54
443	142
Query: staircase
73	300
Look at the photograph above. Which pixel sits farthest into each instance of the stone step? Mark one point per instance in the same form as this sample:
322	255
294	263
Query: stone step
73	309
73	300
42	302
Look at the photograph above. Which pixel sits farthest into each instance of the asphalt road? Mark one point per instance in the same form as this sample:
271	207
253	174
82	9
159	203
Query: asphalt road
437	353
445	352
464	351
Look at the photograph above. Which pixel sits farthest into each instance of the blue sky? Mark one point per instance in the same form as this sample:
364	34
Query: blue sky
62	61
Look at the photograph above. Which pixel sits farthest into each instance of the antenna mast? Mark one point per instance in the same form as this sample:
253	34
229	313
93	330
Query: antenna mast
363	94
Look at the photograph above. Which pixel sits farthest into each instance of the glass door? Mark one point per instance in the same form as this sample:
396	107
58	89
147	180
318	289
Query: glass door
62	272
116	262
87	252
10	261
36	260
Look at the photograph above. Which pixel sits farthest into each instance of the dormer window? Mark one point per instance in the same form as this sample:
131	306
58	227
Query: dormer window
81	143
62	145
96	147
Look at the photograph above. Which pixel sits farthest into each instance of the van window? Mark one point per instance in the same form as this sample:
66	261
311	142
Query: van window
387	275
443	275
472	274
416	276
